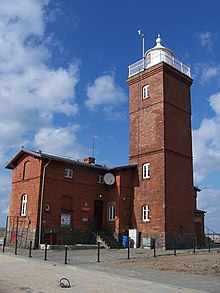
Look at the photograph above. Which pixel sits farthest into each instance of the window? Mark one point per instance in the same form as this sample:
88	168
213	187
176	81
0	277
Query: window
145	213
146	171
68	173
145	92
111	212
100	179
24	205
26	170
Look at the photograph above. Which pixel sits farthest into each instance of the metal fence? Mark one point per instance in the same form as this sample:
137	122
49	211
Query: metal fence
85	255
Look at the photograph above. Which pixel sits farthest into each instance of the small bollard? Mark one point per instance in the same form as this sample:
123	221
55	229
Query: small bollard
174	246
154	246
45	252
16	247
209	242
30	249
98	252
4	243
194	245
66	248
129	246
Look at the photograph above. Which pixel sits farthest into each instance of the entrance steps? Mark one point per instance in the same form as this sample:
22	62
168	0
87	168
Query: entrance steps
107	240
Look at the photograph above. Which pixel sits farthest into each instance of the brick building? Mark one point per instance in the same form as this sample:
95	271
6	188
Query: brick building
60	200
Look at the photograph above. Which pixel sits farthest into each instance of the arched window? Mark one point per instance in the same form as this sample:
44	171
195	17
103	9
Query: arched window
146	171
24	205
26	174
145	92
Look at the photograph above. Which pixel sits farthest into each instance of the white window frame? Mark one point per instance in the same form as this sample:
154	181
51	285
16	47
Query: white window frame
68	173
24	205
111	212
146	171
100	179
145	213
145	92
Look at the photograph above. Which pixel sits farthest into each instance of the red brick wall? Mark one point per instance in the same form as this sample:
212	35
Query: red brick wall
160	134
84	188
30	186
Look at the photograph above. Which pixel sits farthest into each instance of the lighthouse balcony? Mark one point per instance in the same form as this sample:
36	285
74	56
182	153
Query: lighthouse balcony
147	62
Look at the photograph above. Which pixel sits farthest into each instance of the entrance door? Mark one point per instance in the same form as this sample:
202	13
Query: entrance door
98	214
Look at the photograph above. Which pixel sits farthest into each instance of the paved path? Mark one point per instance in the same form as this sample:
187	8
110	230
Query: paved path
19	274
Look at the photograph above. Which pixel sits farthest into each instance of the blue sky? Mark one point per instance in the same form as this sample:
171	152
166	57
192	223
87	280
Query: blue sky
63	71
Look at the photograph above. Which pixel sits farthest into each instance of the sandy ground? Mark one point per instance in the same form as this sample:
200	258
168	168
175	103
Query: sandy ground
199	263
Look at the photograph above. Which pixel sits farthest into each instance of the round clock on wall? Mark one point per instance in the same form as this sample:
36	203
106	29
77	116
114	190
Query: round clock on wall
109	178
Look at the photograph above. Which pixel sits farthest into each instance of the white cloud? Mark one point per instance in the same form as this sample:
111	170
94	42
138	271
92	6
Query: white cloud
104	91
5	190
207	72
206	40
215	102
207	200
59	141
206	143
31	91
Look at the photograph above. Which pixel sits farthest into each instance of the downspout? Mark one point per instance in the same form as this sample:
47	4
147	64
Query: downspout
41	203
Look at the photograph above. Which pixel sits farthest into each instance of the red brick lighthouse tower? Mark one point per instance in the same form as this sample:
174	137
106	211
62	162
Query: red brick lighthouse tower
161	146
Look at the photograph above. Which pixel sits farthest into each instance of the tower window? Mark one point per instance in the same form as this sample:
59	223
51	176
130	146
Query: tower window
24	205
68	173
145	92
146	171
145	213
111	212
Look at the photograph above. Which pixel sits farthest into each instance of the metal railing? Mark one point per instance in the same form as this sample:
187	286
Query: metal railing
215	237
144	63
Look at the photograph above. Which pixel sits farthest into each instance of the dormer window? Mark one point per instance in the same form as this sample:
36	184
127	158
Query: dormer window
68	173
145	92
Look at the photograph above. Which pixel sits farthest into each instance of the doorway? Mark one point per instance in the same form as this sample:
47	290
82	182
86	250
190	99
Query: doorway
98	214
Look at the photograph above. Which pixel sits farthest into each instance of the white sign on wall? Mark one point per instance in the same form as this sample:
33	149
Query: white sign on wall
65	220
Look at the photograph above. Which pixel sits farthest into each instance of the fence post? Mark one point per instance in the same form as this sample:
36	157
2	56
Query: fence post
209	242
66	248
16	247
45	252
129	246
154	246
4	243
174	245
98	252
194	245
30	248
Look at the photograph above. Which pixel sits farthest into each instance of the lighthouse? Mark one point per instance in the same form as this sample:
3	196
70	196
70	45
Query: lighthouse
161	146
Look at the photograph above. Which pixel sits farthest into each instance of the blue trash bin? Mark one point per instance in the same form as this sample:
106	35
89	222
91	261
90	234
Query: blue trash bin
125	241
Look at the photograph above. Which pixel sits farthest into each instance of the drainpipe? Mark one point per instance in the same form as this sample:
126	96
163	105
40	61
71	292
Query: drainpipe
41	203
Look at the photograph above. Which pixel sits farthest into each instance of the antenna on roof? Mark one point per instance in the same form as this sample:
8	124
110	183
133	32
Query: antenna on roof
93	146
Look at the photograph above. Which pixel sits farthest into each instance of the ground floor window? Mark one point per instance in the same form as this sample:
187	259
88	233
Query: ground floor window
24	205
111	212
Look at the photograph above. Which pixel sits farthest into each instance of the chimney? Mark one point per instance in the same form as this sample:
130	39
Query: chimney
89	160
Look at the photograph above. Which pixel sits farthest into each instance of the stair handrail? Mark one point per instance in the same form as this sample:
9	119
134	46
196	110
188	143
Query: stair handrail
213	233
